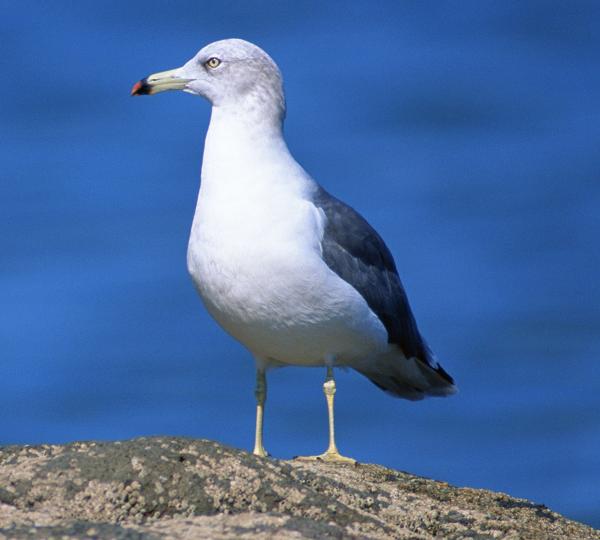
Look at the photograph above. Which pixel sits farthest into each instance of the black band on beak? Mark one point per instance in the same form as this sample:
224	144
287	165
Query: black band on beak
141	88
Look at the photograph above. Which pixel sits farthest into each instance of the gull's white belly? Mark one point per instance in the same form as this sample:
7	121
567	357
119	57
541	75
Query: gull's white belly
268	287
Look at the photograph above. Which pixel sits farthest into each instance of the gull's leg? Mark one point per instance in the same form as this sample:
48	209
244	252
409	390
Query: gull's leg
332	453
261	396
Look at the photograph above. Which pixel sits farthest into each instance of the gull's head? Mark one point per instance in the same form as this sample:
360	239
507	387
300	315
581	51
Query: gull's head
229	73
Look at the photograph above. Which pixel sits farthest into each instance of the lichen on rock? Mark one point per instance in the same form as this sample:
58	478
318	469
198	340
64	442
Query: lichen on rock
163	487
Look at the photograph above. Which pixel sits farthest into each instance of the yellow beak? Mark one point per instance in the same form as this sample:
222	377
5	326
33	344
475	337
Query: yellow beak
159	82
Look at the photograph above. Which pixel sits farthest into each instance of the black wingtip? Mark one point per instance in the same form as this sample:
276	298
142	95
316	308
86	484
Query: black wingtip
445	375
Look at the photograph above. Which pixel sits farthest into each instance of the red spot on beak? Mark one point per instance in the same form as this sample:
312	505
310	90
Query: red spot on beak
136	87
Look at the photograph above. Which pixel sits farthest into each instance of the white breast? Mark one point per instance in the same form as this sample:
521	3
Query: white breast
255	258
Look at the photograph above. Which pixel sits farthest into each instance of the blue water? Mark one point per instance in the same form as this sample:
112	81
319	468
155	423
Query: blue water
466	132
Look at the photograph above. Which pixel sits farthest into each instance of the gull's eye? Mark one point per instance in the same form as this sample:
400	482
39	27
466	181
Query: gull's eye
213	63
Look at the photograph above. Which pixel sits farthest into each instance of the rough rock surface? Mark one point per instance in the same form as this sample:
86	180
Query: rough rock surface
183	488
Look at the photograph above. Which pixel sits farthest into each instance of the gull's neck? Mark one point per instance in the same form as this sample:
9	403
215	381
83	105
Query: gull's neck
233	132
248	176
244	147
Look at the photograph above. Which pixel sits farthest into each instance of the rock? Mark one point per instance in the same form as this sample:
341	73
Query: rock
183	488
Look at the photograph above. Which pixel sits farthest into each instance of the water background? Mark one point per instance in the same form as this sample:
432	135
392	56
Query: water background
466	132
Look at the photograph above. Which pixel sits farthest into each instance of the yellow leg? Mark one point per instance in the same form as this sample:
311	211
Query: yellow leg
261	396
332	453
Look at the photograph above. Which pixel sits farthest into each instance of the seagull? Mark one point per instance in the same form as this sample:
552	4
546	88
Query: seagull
291	272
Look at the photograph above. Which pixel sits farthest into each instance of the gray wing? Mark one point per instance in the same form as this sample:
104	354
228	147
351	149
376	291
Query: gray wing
357	254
